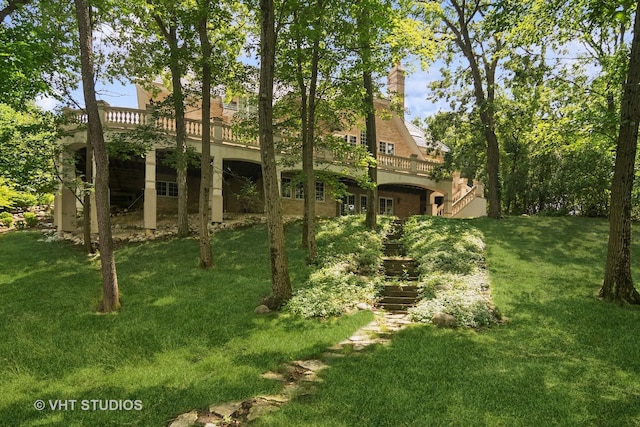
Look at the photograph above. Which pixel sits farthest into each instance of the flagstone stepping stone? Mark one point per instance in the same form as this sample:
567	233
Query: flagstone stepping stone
225	410
185	420
311	365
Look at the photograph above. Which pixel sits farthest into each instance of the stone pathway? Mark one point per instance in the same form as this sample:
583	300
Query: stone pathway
298	378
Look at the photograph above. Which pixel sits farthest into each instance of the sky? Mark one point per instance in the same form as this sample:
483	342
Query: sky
416	89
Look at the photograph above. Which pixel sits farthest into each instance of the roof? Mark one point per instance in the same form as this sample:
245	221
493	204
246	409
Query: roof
422	140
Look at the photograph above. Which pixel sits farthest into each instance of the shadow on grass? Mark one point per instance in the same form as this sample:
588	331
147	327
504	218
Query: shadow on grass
564	358
184	337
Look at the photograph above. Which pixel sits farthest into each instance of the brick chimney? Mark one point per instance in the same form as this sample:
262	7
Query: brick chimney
396	84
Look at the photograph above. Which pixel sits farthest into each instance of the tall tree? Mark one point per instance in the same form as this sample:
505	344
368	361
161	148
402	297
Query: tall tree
461	25
618	283
153	37
168	28
110	291
365	38
280	280
205	158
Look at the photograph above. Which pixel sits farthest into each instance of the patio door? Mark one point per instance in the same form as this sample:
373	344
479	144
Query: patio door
386	206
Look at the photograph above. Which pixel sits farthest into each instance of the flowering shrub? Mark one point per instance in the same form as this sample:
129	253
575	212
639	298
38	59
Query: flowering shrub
453	280
467	300
350	257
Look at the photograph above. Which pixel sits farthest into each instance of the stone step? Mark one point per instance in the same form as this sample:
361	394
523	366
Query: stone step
399	266
397	308
394	249
408	294
406	300
400	288
398	298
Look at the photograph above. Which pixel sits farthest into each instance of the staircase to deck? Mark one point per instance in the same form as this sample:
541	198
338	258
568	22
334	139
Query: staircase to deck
400	291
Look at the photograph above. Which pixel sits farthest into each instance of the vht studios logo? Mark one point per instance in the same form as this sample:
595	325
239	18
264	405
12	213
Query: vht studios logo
88	405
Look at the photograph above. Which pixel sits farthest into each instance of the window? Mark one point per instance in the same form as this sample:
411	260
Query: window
319	191
387	148
386	206
363	204
299	191
363	138
348	205
350	139
169	189
285	187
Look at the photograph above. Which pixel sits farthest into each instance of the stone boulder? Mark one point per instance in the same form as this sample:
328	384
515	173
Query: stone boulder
262	309
443	320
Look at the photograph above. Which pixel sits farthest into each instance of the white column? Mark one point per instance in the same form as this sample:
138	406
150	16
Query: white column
150	195
216	175
65	200
92	199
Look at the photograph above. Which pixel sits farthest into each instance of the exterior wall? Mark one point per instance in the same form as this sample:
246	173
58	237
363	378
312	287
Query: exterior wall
390	128
325	208
231	187
168	205
405	203
475	209
193	110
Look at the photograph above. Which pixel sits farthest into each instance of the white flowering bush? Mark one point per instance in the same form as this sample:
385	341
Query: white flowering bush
453	279
467	300
349	260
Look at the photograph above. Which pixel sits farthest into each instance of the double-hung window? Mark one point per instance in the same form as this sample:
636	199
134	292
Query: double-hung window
387	148
169	189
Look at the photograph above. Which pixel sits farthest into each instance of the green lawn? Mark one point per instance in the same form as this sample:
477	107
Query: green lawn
563	358
187	338
184	339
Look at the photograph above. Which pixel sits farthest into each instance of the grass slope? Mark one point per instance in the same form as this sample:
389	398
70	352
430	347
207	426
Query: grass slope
185	338
563	359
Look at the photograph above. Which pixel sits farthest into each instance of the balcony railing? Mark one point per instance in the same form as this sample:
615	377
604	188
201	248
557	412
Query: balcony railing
118	118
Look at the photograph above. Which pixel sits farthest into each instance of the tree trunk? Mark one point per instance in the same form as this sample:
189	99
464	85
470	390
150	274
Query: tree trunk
205	160
181	144
280	281
364	24
110	292
308	116
372	146
484	103
618	283
171	37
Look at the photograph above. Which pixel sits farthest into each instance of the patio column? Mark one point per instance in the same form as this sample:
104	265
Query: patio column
92	199
216	175
65	199
150	194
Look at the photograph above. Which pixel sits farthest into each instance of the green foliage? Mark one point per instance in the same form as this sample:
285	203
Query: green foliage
442	245
249	195
6	218
10	198
349	258
30	219
27	148
37	54
332	291
453	280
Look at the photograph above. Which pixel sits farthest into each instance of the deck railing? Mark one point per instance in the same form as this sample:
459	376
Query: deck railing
118	118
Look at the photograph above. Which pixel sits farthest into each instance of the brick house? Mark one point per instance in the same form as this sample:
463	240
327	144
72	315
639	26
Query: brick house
405	161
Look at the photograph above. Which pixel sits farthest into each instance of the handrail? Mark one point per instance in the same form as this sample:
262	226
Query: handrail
463	201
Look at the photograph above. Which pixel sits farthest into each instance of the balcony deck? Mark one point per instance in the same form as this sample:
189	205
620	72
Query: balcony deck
122	119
